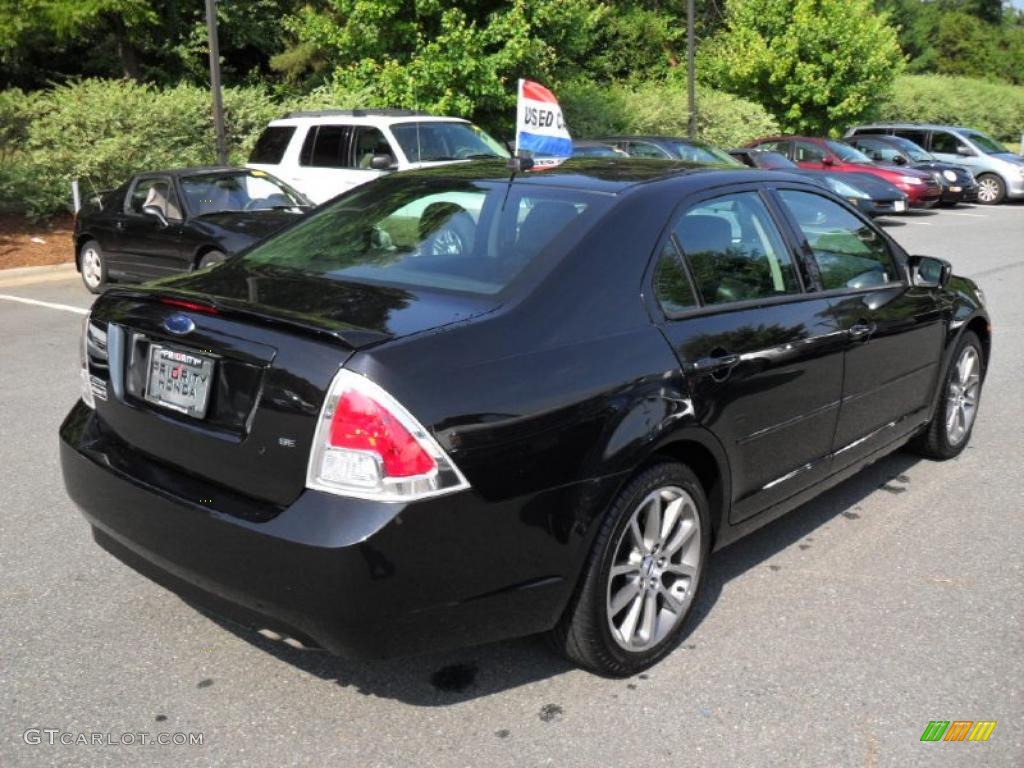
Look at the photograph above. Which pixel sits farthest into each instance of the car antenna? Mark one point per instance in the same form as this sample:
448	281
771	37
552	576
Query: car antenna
95	192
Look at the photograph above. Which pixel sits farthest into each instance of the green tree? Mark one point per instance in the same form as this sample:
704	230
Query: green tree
815	64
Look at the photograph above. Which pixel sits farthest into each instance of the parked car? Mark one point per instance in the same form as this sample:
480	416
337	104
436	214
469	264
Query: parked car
400	425
588	148
1000	173
325	153
818	154
163	222
869	194
958	183
670	148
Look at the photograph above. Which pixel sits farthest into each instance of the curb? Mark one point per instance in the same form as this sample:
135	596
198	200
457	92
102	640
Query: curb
29	275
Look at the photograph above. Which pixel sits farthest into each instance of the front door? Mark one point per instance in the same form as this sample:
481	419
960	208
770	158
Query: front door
143	246
762	358
893	330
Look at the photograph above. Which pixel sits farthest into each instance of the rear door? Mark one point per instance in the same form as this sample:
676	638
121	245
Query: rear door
763	359
893	331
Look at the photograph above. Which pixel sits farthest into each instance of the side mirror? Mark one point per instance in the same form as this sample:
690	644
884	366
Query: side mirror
152	210
929	272
964	151
828	160
899	160
382	162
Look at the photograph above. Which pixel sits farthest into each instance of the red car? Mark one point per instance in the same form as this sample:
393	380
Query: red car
827	154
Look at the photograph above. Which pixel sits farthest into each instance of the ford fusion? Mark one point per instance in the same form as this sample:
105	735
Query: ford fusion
465	404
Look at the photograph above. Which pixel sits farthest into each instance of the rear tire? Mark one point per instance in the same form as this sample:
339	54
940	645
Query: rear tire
991	189
212	259
93	266
642	577
949	431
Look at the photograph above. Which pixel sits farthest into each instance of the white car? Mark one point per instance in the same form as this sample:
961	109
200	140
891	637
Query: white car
325	153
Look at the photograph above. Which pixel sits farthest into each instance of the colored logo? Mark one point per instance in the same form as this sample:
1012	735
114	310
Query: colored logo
179	324
958	730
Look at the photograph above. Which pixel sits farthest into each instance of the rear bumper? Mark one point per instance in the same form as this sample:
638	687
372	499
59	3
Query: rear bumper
358	578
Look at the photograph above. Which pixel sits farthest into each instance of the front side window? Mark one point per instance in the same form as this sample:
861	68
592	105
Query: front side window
457	235
368	143
735	251
426	142
849	253
946	143
645	149
780	146
809	153
155	193
879	150
846	153
985	143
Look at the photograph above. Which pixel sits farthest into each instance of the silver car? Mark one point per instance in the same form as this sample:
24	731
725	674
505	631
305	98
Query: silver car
999	172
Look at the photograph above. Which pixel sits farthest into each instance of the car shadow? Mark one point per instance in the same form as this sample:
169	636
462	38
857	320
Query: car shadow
443	679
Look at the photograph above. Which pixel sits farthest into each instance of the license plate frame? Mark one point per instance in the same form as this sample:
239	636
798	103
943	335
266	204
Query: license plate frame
899	206
179	379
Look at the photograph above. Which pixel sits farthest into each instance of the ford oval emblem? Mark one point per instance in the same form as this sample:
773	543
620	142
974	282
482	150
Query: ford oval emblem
179	324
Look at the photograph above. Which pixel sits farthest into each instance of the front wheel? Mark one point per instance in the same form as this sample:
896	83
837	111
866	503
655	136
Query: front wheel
991	189
949	431
211	259
642	577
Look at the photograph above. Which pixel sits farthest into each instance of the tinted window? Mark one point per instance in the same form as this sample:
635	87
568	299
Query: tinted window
671	285
918	137
271	145
782	147
945	143
472	237
849	253
878	150
645	149
808	153
368	143
326	146
735	251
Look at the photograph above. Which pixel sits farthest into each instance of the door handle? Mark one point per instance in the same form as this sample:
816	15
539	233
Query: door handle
714	364
119	224
860	331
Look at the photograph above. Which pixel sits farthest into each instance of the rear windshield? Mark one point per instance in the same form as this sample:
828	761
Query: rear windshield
458	235
271	145
429	142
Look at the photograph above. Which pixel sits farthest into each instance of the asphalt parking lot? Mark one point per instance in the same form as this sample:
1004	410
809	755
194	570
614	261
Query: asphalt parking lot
829	638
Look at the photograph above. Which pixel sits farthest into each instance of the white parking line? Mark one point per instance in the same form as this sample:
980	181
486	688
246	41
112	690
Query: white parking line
972	215
47	304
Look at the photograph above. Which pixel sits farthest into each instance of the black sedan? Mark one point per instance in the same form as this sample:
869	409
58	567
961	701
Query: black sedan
164	222
456	405
958	183
869	194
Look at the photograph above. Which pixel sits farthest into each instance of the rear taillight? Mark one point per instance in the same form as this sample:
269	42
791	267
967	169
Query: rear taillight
368	446
83	350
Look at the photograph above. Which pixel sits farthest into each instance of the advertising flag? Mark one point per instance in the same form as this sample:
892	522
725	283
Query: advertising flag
540	127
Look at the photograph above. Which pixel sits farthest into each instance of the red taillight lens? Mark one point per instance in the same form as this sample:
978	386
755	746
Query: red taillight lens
192	306
362	424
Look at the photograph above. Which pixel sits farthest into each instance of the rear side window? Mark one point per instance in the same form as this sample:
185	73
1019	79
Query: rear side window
455	235
326	146
735	251
918	137
848	252
272	144
671	283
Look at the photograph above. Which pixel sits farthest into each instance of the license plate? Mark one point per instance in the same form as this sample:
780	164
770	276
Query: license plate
179	380
899	205
955	189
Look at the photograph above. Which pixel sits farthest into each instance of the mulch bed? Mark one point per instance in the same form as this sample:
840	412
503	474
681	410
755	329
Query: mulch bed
27	244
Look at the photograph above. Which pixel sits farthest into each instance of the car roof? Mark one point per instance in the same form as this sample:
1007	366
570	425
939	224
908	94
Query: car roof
607	175
650	137
195	170
359	117
924	126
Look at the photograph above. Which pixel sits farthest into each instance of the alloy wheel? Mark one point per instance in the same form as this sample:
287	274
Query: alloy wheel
988	190
92	268
962	397
655	569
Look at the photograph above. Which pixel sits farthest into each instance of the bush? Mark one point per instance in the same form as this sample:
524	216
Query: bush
102	131
661	108
995	108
